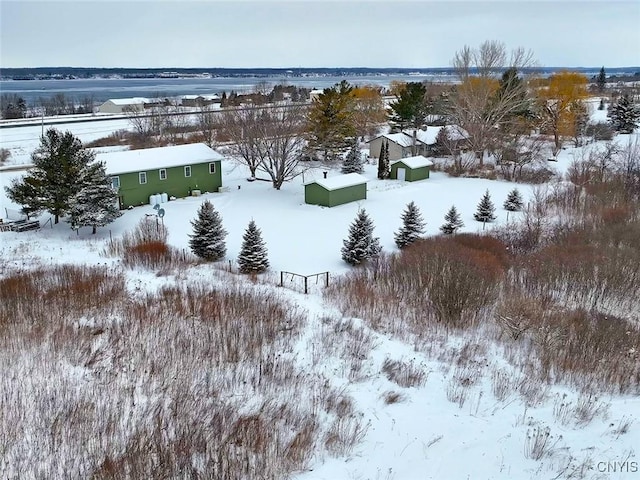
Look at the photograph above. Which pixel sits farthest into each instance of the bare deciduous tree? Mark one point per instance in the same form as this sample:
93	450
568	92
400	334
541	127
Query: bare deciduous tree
241	127
484	105
281	142
267	139
207	124
517	152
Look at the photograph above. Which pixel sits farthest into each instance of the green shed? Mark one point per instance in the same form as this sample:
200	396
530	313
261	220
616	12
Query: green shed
333	191
178	171
411	169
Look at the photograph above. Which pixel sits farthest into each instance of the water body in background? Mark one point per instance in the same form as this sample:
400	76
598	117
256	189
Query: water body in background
104	89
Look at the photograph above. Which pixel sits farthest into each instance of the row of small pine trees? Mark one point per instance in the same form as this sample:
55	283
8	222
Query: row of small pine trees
208	238
361	245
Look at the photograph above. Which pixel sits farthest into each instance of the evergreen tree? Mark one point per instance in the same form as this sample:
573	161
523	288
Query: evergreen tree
96	203
514	202
360	244
253	253
353	161
330	121
207	240
55	177
442	146
624	115
601	81
412	226
387	165
381	161
452	222
384	170
411	106
485	211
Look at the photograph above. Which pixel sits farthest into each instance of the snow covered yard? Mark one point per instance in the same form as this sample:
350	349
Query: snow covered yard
314	388
305	238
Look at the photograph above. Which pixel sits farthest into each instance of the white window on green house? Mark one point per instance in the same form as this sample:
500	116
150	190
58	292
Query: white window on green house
163	174
115	183
212	168
187	171
142	176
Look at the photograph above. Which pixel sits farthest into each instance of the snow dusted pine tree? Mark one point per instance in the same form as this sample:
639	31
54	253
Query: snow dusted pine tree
383	161
452	222
624	115
486	209
353	161
95	204
387	166
253	253
412	226
514	202
207	240
361	244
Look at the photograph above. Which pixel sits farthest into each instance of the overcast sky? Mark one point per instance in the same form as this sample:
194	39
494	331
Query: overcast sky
300	33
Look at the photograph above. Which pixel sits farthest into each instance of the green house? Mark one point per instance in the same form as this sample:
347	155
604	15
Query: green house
337	190
178	171
411	169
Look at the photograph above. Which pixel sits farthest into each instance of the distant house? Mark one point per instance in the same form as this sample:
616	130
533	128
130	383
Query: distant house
120	105
333	191
199	100
314	94
135	104
411	169
177	171
401	144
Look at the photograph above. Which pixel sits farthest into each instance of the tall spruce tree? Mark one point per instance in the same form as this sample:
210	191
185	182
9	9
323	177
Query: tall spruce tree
384	170
601	81
486	209
387	164
253	253
381	161
96	203
624	115
360	245
54	179
452	222
514	202
353	161
207	240
412	226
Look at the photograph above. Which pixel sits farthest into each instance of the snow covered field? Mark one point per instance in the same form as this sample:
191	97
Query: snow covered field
492	430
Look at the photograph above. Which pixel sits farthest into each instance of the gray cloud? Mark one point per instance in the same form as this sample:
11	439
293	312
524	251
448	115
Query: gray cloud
311	34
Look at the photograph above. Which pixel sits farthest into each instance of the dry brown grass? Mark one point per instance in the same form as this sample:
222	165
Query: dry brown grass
190	381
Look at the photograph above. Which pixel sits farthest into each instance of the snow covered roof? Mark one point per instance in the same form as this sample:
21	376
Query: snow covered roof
129	101
213	96
429	135
340	181
152	158
415	162
402	139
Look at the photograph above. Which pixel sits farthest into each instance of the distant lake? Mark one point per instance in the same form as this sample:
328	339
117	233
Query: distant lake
103	89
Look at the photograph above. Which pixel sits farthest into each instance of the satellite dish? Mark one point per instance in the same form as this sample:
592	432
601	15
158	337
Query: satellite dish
156	206
161	212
